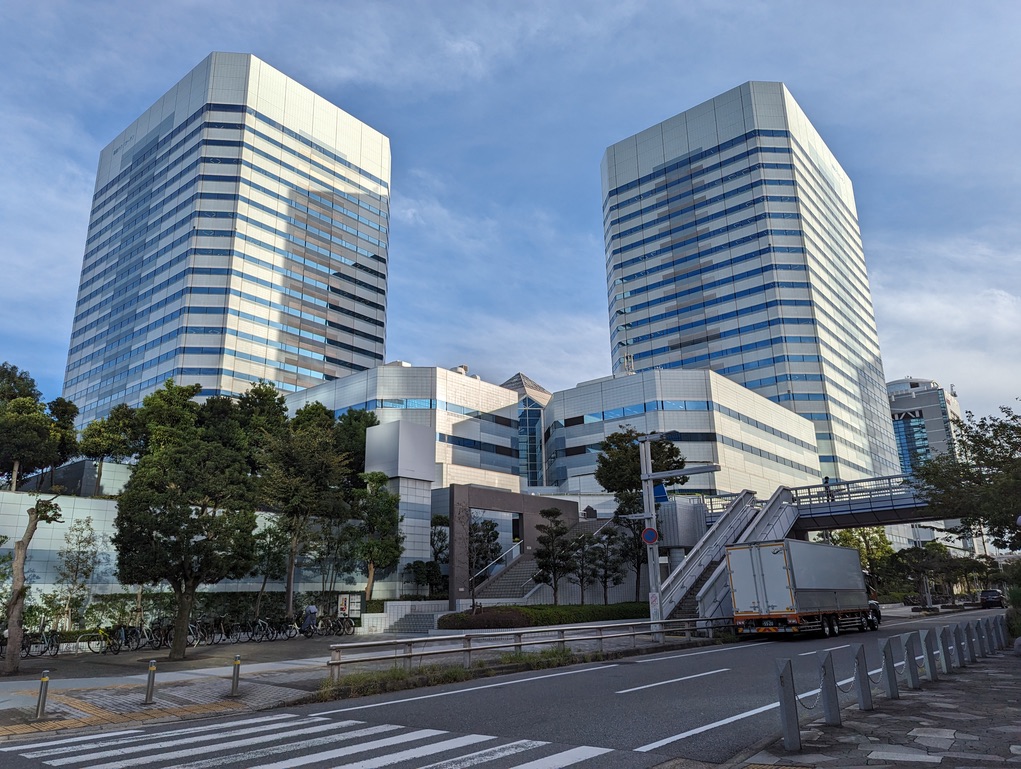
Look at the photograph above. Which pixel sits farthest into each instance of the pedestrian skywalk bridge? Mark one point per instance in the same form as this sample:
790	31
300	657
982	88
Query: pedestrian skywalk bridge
284	741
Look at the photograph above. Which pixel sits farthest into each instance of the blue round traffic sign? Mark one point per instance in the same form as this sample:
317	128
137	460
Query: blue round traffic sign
650	536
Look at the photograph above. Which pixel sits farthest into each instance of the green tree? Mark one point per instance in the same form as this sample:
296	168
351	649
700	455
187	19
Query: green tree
439	538
76	563
982	484
583	565
379	542
350	431
555	554
43	511
187	513
15	383
63	432
618	471
618	467
271	543
114	437
26	438
608	565
305	477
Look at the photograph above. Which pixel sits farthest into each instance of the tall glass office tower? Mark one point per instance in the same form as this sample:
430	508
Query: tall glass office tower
732	243
238	232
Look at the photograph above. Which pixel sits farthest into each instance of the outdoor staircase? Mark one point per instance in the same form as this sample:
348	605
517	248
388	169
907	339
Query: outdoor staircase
513	582
687	607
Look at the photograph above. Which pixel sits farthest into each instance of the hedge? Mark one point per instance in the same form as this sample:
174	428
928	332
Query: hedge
495	617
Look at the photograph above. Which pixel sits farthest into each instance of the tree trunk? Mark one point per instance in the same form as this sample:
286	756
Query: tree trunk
370	581
16	604
14	474
258	600
185	602
99	479
292	560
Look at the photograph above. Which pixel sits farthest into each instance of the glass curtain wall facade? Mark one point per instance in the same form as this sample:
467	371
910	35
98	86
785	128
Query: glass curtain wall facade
732	244
239	232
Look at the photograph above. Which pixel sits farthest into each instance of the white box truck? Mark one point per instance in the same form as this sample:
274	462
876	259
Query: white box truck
792	586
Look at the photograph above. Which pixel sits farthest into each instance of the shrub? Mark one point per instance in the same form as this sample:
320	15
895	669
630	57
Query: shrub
495	617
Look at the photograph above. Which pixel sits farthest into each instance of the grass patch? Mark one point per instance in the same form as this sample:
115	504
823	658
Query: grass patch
540	660
392	680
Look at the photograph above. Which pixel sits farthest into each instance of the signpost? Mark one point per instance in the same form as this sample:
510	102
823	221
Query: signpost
649	535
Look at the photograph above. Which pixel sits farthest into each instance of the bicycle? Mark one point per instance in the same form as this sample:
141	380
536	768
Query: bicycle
101	642
38	644
343	625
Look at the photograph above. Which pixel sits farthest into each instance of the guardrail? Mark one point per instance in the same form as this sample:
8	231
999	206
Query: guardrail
470	644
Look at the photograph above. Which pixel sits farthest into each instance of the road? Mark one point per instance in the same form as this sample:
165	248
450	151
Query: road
706	704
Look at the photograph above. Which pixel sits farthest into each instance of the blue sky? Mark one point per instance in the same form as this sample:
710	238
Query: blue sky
498	115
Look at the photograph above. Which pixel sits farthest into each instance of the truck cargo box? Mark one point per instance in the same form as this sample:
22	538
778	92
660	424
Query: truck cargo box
792	584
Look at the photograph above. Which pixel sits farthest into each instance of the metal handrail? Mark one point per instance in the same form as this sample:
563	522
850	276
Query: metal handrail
496	560
463	644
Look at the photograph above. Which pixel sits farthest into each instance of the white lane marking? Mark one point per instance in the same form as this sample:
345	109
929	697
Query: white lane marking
706	728
249	756
68	741
468	690
672	681
194	733
487	755
187	740
829	649
727	648
566	758
427	750
725	721
364	747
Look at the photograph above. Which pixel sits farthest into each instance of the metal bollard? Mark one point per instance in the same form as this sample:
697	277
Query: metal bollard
862	684
828	691
889	671
44	685
236	677
960	646
150	684
907	645
946	644
983	640
929	643
969	632
788	705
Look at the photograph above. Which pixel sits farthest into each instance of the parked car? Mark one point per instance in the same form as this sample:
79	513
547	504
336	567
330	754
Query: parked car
992	599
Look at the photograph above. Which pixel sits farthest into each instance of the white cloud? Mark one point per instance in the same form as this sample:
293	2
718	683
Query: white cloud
950	310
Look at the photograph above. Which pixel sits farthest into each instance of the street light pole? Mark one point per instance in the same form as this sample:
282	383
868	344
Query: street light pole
649	511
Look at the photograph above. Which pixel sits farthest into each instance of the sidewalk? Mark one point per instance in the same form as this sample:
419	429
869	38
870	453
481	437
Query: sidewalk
969	718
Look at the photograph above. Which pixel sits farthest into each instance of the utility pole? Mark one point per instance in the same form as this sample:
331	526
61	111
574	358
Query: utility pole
649	510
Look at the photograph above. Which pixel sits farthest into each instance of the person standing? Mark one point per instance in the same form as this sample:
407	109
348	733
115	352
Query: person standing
829	488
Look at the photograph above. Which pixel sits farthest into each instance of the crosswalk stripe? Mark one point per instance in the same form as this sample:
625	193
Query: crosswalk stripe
489	754
129	763
103	741
328	755
566	758
67	741
172	743
248	757
425	750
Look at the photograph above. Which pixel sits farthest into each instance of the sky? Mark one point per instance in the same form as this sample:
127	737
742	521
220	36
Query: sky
498	115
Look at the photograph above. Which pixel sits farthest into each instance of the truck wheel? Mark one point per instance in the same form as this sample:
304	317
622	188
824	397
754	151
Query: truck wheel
827	631
835	625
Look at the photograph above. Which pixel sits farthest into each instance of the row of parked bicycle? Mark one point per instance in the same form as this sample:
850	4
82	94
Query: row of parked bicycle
205	630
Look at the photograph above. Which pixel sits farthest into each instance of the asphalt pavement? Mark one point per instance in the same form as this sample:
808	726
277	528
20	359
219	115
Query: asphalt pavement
970	717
